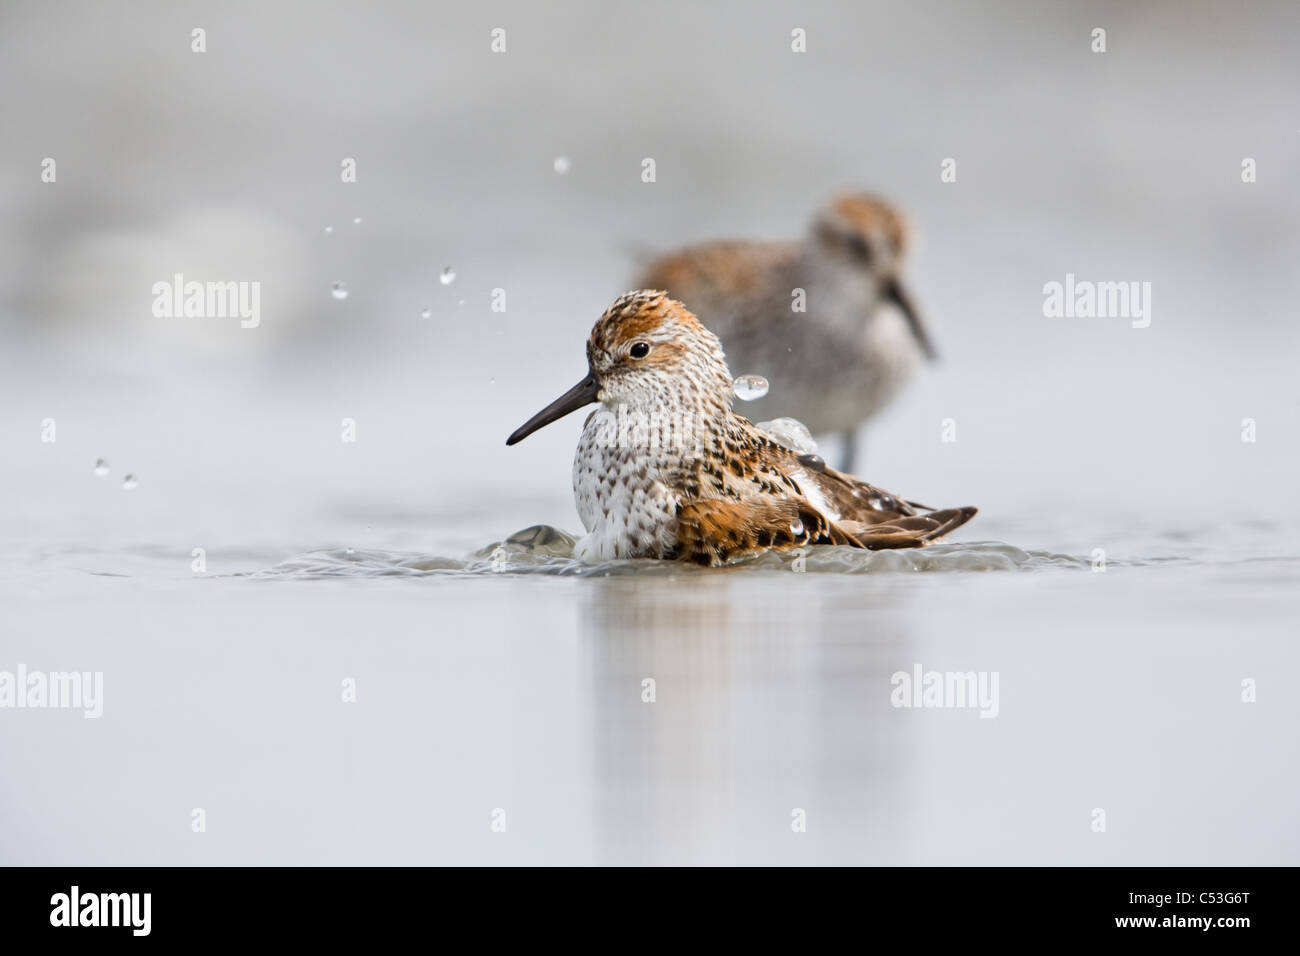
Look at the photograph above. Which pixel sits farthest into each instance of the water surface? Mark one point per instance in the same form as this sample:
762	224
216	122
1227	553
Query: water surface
510	676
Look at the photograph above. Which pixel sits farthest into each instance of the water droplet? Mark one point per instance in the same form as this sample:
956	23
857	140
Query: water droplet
426	312
351	552
460	301
750	387
339	290
813	462
492	381
796	527
791	433
448	276
128	482
356	221
561	164
328	230
101	468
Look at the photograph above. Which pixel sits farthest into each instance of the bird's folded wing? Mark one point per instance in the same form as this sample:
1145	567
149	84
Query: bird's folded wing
908	531
712	530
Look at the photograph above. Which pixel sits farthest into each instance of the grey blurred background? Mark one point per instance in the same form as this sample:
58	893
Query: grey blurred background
1073	434
1123	165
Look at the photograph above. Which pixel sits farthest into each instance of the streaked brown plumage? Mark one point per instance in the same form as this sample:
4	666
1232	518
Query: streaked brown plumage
666	469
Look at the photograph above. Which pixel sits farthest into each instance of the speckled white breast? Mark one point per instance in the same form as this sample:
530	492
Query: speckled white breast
625	504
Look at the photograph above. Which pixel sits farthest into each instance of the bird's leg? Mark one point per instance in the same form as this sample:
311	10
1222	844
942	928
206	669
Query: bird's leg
848	450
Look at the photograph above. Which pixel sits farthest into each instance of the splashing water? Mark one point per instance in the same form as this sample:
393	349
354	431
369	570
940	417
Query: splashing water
128	482
750	387
448	276
544	550
791	433
101	468
561	164
339	290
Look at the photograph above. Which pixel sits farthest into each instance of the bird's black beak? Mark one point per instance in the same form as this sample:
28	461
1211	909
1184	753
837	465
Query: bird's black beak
584	393
895	293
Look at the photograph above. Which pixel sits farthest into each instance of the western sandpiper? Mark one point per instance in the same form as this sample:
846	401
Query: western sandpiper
665	468
825	320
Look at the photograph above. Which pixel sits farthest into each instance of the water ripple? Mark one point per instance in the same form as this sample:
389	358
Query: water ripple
548	551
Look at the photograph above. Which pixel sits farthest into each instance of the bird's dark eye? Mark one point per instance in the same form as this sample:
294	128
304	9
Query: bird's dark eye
858	246
639	350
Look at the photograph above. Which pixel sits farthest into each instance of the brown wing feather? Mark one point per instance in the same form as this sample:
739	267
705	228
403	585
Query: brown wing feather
851	498
713	530
856	500
914	531
747	497
883	520
867	516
